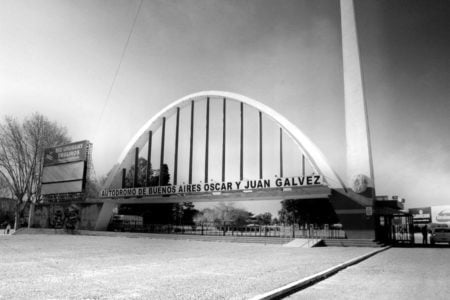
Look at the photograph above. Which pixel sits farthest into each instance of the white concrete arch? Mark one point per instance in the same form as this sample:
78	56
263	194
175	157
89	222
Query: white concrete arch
311	151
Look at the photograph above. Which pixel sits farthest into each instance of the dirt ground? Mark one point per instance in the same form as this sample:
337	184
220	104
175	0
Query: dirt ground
97	267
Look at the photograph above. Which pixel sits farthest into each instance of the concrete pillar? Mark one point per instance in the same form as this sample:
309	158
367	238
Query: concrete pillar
149	158
136	167
260	147
177	133
359	155
207	141
191	142
281	153
161	160
224	126
241	144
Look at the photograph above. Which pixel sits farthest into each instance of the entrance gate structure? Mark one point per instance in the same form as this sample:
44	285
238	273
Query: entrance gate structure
355	211
395	229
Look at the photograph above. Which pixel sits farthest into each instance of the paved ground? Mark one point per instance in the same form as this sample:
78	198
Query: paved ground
398	273
98	267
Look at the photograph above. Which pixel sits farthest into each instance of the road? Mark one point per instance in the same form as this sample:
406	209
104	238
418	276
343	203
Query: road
398	273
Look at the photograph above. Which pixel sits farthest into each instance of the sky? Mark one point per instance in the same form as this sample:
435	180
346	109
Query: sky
80	63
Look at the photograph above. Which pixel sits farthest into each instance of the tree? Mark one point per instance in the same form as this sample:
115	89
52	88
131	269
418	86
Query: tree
307	211
164	174
40	133
289	212
183	213
93	187
206	216
188	213
223	215
142	175
177	214
5	192
264	219
21	155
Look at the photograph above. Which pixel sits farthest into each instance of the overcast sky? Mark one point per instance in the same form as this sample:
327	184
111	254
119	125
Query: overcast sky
60	58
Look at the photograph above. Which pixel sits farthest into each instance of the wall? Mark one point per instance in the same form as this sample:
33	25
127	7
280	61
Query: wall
43	214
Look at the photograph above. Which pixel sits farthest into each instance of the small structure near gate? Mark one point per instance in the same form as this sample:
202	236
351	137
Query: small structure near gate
397	229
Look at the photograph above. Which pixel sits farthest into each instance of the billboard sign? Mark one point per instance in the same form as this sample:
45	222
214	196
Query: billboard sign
65	168
421	215
64	172
65	153
441	214
62	187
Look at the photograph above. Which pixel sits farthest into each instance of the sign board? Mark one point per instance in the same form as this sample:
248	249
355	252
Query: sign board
62	187
65	153
421	215
63	172
65	169
245	186
440	214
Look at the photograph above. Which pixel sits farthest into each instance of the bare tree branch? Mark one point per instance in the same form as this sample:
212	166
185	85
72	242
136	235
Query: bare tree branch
21	154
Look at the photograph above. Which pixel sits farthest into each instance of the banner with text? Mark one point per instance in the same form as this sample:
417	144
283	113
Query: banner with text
65	153
214	187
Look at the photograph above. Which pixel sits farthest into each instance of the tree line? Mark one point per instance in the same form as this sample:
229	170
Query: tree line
142	179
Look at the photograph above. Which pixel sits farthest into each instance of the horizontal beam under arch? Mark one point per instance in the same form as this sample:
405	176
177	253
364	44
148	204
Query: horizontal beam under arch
310	150
275	194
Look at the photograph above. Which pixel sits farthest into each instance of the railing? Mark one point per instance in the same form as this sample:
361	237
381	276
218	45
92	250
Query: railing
277	231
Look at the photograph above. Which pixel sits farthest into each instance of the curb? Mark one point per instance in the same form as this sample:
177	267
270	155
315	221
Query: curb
298	285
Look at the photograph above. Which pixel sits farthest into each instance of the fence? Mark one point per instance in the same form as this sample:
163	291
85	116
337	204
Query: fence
277	231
